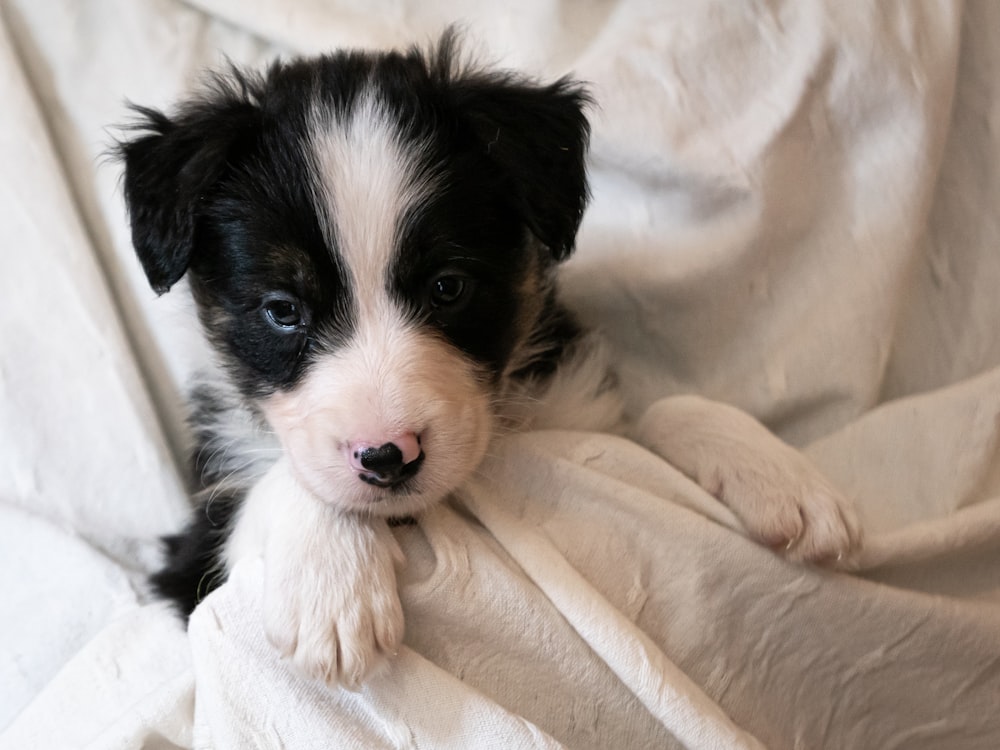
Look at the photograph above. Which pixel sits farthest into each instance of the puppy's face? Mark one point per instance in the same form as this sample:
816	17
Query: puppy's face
369	239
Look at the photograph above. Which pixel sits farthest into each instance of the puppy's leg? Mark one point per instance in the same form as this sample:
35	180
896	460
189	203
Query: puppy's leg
331	604
781	498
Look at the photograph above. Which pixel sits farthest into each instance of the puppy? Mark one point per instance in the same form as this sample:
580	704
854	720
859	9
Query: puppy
371	241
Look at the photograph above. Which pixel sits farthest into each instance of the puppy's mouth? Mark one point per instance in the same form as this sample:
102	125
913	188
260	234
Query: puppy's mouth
398	480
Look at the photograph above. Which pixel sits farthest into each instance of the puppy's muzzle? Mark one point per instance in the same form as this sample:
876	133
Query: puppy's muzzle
389	463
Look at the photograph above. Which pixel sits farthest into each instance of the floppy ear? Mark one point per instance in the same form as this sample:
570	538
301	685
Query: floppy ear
168	169
538	135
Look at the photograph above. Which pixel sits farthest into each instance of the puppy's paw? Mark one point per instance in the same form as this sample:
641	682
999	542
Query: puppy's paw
331	606
782	499
788	505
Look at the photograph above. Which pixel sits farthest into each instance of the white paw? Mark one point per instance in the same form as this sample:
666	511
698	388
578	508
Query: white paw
331	606
788	505
782	500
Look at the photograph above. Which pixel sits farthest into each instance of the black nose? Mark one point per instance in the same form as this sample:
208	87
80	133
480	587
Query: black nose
386	465
384	459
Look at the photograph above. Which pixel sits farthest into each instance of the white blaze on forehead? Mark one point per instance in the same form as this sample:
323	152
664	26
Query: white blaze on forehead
369	182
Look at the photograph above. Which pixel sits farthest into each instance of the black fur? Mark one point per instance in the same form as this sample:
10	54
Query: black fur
193	563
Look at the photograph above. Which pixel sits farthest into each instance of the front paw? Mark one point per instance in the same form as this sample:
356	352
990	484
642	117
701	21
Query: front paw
782	500
331	606
788	505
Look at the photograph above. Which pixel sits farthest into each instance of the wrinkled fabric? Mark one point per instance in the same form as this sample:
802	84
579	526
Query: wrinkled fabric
793	211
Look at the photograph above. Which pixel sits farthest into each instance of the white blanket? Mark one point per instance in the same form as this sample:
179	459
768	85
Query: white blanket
794	210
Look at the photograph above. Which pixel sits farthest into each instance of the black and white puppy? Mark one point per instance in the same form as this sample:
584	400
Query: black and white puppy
371	240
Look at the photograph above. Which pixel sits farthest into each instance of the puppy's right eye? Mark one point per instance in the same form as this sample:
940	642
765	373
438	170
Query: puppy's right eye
283	313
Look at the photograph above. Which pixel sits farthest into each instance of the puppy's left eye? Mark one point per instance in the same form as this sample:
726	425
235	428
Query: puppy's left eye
283	313
450	291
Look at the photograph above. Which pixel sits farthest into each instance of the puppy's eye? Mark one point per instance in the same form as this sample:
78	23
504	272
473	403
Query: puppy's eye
449	291
283	313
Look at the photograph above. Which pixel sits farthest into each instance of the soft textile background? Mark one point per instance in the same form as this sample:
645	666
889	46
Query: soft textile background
795	210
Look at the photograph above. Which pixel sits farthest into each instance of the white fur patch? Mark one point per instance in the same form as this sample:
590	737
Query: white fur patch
580	395
368	184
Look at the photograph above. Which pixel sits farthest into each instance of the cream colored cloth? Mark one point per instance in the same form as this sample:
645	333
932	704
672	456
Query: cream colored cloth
794	211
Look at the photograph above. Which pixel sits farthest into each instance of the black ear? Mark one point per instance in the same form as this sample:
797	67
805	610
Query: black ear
538	135
170	165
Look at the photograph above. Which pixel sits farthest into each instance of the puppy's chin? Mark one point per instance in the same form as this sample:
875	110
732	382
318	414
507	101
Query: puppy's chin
407	499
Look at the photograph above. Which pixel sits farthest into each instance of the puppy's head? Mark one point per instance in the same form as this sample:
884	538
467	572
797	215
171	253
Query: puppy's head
368	238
